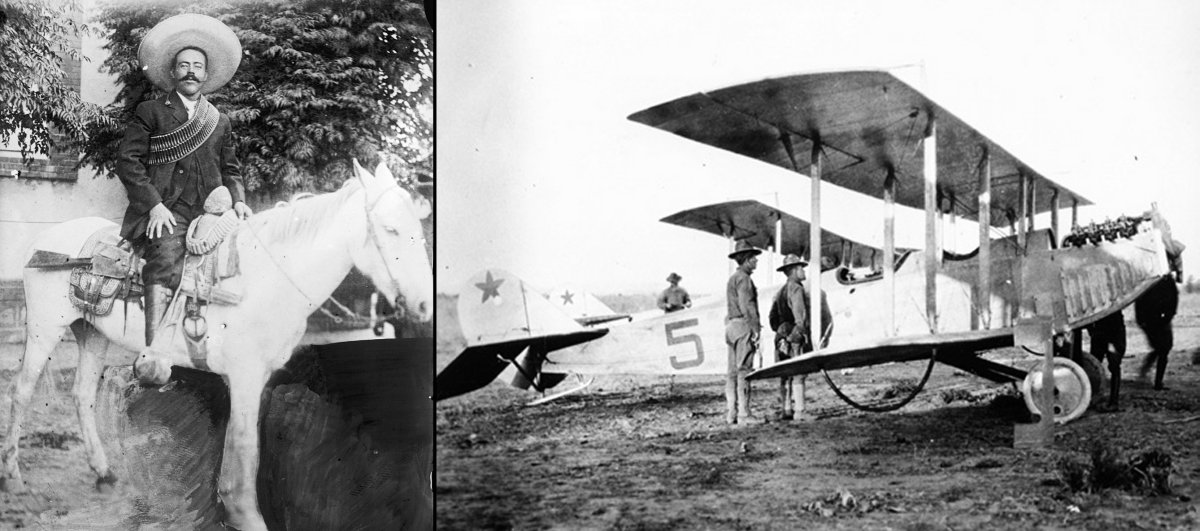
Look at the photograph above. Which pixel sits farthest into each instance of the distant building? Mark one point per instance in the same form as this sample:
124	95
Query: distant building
50	190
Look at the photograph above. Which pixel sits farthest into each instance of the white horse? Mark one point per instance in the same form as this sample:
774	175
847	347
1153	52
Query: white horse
291	259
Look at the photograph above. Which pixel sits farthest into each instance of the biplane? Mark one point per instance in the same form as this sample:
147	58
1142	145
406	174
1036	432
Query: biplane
869	132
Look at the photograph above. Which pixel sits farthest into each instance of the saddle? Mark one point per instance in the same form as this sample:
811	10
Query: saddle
211	253
106	269
211	243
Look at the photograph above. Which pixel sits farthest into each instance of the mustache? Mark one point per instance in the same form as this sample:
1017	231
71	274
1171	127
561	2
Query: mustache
189	76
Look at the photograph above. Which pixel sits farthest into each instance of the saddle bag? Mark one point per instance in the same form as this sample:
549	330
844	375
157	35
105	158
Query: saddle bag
111	261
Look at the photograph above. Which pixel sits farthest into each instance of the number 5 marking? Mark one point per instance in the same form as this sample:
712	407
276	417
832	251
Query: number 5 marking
672	339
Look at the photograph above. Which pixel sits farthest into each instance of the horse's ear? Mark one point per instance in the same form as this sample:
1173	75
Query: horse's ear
360	172
421	206
383	173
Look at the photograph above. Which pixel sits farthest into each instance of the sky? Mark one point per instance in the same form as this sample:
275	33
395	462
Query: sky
541	173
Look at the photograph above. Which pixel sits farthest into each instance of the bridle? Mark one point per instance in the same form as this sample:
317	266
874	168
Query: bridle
398	311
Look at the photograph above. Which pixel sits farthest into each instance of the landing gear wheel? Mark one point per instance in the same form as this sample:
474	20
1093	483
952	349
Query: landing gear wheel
1072	390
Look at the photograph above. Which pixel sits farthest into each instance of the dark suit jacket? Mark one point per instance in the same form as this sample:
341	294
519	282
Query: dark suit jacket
213	163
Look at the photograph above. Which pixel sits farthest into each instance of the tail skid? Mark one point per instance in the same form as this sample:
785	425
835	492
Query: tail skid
561	394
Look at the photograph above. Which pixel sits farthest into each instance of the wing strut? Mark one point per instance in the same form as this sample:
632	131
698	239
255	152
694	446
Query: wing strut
814	242
889	252
984	283
883	409
932	251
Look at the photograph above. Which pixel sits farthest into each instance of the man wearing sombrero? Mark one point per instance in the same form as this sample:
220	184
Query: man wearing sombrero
178	148
742	327
674	298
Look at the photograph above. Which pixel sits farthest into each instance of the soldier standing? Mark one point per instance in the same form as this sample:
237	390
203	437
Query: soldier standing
742	326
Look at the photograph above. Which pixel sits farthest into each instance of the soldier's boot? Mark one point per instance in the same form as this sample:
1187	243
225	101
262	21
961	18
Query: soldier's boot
731	397
150	369
743	395
785	397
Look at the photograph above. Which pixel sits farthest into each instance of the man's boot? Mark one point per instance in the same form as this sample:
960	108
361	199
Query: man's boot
157	297
731	397
785	398
150	369
743	395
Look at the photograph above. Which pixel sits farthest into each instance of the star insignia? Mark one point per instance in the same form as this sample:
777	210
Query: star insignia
568	298
490	287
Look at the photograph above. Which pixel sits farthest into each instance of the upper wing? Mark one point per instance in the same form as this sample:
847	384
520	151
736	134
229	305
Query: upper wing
754	223
867	122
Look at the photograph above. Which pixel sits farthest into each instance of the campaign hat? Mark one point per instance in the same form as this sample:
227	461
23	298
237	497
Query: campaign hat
790	261
743	248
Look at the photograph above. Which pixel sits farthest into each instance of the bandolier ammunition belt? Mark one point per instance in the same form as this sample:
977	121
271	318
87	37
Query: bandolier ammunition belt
175	145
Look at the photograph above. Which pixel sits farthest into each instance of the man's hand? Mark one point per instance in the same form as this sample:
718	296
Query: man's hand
242	210
160	218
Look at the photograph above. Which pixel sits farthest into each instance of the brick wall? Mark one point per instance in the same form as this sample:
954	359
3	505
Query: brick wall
61	163
12	311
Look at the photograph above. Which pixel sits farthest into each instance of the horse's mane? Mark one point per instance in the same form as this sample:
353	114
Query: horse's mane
301	219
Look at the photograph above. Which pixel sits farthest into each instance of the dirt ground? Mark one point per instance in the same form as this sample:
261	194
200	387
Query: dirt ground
655	453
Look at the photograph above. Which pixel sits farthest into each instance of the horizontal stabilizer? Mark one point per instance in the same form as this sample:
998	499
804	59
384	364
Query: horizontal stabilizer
594	320
478	365
582	306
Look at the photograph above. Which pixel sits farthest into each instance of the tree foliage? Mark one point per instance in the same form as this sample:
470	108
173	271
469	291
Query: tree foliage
35	98
321	81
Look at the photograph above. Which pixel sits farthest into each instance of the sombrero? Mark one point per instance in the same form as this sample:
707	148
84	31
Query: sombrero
674	278
165	40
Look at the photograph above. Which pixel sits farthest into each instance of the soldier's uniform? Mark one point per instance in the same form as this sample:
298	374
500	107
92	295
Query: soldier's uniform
789	319
674	298
742	326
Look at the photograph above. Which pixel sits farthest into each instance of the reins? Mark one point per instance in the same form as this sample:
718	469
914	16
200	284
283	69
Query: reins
398	311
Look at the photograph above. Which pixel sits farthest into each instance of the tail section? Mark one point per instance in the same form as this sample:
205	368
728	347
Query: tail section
495	307
582	306
505	322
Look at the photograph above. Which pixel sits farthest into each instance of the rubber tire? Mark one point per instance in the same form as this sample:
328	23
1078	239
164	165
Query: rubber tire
1097	376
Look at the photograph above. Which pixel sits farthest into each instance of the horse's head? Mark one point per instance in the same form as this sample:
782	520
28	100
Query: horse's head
393	254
